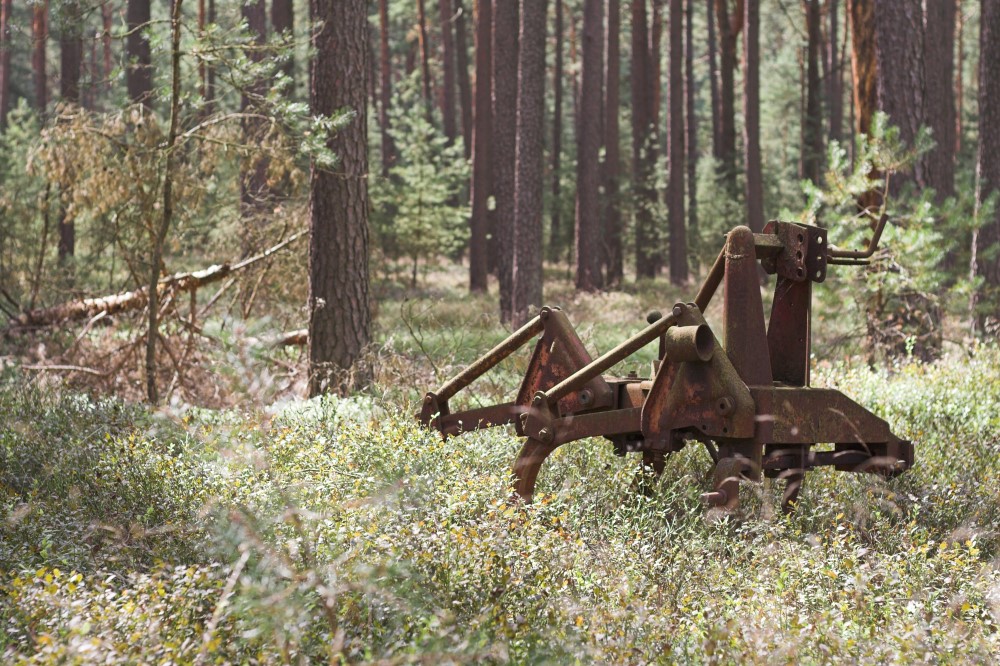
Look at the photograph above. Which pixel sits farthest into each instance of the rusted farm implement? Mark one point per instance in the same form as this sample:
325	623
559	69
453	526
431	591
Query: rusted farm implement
747	400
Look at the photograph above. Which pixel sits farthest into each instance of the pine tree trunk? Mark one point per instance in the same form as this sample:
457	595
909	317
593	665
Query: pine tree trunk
447	93
40	36
339	300
864	83
939	60
464	84
676	153
612	148
899	50
138	71
834	85
959	75
691	121
283	22
986	241
527	264
385	79
656	76
253	177
713	80
425	65
588	220
505	57
555	225
108	25
644	145
70	61
6	6
751	115
730	24
811	162
482	153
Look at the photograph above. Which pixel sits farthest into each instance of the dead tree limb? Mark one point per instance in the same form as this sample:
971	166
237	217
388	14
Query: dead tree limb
88	308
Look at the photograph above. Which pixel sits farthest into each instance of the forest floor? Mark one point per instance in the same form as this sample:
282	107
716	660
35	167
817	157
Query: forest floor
279	530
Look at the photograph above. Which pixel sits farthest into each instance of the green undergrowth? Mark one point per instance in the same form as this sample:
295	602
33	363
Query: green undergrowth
337	528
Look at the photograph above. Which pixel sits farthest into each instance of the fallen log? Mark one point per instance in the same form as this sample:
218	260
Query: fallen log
298	338
87	308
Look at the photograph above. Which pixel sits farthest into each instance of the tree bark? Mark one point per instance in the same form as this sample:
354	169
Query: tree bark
283	22
447	93
253	176
6	6
385	76
834	83
527	263
464	84
691	121
751	114
339	300
959	76
899	51
676	152
139	70
167	210
713	80
644	145
656	73
612	148
864	84
986	240
588	230
482	152
40	36
939	61
70	60
555	225
811	161
107	25
505	66
425	66
730	24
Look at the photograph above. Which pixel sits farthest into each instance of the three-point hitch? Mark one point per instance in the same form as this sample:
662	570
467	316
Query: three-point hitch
747	399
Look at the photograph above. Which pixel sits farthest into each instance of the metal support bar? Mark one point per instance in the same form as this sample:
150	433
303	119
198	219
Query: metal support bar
490	359
599	365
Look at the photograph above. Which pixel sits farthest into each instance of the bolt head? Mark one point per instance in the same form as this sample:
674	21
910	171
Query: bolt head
545	435
678	310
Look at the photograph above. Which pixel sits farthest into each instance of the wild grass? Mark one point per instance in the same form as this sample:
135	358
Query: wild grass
335	529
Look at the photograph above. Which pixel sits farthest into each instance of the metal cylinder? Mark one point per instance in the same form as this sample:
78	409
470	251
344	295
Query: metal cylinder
689	343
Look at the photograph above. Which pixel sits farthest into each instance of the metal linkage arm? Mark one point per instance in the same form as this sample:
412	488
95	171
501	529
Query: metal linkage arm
579	378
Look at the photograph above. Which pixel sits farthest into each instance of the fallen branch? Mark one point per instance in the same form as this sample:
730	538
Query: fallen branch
298	338
89	308
64	368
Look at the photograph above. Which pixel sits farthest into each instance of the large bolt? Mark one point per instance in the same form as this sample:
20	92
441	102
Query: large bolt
653	316
537	401
586	395
545	435
678	310
725	405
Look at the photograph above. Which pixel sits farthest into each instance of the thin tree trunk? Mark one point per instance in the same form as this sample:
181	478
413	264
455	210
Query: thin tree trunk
612	148
555	226
447	93
644	145
339	299
6	6
834	85
482	153
676	153
588	230
425	66
656	73
811	162
464	84
713	79
751	114
167	210
730	25
70	59
939	60
526	272
899	50
959	76
691	121
40	36
139	70
108	25
385	77
283	23
864	83
505	67
254	193
986	241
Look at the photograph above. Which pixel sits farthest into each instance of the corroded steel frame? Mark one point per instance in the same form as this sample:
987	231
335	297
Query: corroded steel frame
747	399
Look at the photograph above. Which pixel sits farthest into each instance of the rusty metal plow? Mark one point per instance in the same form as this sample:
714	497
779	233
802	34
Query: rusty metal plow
746	398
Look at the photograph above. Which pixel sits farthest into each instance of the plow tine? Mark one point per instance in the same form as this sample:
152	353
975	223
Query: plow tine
526	467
